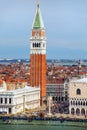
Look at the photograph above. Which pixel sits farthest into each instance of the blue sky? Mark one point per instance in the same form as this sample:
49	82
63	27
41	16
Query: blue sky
65	22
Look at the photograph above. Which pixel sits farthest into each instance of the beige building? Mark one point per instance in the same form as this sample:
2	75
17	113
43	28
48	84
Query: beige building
78	97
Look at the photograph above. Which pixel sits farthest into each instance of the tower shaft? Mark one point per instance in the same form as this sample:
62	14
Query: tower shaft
38	55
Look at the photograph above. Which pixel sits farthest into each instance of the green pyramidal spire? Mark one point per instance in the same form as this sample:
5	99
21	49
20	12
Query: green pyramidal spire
38	22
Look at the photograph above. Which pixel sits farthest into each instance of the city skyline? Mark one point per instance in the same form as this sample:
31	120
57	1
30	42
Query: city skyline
65	23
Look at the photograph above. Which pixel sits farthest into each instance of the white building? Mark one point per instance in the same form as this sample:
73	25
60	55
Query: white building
14	101
78	97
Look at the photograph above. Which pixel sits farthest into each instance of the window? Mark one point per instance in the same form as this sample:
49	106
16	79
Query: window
1	100
39	44
5	100
86	103
56	98
53	98
73	103
36	45
78	92
9	100
33	44
78	102
81	102
10	110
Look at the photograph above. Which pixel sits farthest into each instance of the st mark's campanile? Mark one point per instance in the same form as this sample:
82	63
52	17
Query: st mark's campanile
38	54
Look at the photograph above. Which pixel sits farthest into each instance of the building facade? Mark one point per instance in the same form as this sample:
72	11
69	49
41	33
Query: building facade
19	100
59	92
78	97
38	55
60	97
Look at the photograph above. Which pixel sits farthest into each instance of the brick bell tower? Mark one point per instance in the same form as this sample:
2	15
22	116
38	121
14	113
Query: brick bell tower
38	54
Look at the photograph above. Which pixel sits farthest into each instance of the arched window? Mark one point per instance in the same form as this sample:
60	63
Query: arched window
53	98
56	98
59	98
62	98
39	44
76	103
73	111
33	45
78	111
71	102
83	111
84	103
78	91
81	102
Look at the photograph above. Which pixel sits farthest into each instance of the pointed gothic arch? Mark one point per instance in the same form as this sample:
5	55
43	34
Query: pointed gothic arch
72	111
78	111
82	111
